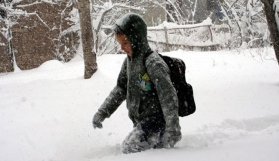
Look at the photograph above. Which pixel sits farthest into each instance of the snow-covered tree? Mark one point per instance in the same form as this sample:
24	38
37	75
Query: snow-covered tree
7	19
104	15
247	23
270	8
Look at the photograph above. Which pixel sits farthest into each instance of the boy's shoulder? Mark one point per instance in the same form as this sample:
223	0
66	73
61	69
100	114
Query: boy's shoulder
154	59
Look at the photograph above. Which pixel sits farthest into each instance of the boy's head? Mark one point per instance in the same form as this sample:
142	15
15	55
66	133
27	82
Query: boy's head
125	44
131	33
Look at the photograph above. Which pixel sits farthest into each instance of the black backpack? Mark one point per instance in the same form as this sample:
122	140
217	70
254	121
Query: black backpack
184	90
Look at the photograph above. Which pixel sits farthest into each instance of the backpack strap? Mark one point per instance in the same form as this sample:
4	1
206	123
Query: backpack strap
147	54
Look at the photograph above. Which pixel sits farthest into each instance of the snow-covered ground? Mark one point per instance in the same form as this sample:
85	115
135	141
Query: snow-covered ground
45	113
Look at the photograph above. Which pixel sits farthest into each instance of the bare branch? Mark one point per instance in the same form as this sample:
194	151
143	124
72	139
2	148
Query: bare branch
39	19
233	4
99	22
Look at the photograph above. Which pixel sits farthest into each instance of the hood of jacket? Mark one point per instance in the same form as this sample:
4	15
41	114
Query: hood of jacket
134	27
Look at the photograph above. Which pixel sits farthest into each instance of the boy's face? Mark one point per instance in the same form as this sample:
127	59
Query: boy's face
125	44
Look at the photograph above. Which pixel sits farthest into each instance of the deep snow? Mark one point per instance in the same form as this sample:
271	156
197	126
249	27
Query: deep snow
46	113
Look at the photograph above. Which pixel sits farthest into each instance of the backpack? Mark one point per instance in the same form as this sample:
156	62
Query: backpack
183	89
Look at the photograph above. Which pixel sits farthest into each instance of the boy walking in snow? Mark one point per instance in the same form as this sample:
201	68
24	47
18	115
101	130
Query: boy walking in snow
144	82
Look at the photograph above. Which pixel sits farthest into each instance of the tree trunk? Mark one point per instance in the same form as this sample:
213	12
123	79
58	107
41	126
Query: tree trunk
87	38
274	33
6	53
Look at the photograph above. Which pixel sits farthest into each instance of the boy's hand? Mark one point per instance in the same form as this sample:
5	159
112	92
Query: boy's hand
171	138
97	120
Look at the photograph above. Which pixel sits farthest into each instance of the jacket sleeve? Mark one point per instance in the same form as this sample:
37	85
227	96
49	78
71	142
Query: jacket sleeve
160	76
117	95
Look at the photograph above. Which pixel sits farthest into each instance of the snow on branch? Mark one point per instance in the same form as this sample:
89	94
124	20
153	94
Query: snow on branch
36	2
163	7
233	4
30	14
73	28
170	26
108	8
